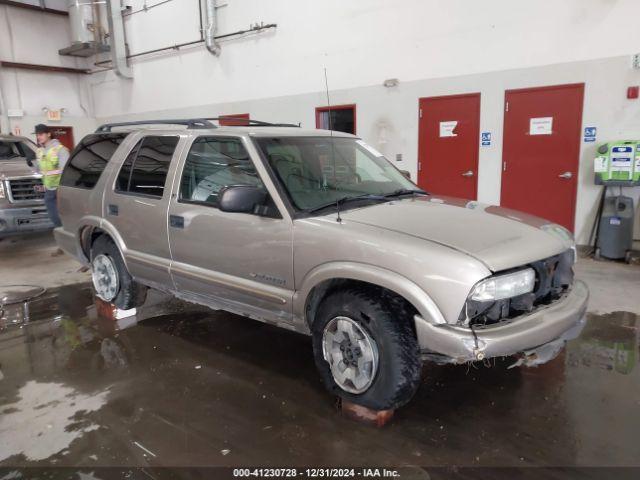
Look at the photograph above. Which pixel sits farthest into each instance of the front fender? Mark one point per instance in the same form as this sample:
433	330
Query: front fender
365	273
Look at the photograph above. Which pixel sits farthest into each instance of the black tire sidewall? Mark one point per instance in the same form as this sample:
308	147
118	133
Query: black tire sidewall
398	374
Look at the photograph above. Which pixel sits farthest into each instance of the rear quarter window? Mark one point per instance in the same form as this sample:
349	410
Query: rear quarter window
89	159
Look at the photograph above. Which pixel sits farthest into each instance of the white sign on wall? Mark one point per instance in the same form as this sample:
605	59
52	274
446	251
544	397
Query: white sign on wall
540	126
447	128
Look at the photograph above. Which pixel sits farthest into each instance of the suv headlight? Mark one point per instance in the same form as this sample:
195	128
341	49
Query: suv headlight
500	287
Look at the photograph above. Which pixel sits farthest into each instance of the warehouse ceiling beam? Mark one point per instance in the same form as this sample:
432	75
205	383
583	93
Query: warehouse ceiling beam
43	68
34	8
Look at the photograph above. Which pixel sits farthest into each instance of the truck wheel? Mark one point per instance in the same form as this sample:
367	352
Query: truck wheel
365	348
111	279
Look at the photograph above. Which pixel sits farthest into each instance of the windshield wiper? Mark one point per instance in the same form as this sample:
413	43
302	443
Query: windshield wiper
405	191
343	200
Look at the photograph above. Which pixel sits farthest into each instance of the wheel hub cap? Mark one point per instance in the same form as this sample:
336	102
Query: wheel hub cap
351	354
105	277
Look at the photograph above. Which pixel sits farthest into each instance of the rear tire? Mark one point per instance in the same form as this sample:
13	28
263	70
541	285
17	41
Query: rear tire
365	348
111	279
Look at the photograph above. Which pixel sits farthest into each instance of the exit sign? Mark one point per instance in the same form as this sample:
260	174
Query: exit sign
54	115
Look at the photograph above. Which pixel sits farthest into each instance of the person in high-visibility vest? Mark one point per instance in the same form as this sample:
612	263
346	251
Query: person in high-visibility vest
52	157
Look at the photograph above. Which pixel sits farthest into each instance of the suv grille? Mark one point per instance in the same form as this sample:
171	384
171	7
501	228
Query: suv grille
26	189
554	276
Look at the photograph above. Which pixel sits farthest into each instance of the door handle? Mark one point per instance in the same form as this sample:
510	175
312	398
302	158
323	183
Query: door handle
176	221
468	173
566	175
112	209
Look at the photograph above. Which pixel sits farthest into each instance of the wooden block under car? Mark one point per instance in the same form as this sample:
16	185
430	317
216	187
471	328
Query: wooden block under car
378	418
110	311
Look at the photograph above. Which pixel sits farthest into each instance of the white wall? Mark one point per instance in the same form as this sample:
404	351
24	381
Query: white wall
360	42
35	37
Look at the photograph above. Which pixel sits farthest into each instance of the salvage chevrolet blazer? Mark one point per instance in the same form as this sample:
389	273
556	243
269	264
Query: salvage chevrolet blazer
317	232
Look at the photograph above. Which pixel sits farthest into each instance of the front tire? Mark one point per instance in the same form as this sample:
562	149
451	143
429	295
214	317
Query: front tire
111	279
365	348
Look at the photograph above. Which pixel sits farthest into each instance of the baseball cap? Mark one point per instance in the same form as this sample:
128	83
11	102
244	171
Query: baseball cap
41	128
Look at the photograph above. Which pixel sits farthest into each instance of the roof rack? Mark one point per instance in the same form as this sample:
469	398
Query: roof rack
188	122
248	122
194	123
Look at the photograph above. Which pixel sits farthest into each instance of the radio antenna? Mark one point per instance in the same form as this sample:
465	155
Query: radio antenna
333	152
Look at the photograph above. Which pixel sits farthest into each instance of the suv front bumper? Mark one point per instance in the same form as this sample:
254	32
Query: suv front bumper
527	334
24	219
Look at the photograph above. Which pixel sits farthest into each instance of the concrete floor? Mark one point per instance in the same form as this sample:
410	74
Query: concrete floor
181	386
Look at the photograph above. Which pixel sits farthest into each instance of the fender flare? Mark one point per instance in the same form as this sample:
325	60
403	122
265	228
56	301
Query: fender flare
364	272
107	227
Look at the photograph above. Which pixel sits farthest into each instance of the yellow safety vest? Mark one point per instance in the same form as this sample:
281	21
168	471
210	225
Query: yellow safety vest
49	166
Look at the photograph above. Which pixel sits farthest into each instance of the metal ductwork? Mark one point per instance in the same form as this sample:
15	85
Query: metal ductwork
87	20
211	28
117	39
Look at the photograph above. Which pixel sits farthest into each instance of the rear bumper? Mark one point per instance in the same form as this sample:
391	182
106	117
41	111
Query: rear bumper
527	333
24	219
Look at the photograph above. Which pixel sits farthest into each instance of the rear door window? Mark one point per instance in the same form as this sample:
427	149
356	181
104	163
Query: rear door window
90	158
144	172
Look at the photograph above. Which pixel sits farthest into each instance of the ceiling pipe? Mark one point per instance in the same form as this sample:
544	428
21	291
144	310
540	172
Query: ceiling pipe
117	39
211	28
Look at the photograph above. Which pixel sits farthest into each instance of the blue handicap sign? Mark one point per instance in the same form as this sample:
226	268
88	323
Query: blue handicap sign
590	134
486	138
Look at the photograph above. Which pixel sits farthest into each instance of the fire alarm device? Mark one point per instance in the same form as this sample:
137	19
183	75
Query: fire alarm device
632	92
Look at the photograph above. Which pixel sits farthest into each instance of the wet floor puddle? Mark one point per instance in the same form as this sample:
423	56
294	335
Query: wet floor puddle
179	385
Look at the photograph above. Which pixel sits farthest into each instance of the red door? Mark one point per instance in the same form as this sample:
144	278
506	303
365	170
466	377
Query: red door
541	149
235	120
64	135
448	140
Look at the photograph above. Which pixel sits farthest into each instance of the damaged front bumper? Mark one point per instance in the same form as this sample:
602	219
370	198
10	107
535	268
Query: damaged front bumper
536	337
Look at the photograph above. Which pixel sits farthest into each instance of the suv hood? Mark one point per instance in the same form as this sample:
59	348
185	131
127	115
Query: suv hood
15	168
498	237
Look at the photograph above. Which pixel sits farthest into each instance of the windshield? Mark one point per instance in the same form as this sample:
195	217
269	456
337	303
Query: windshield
10	150
318	171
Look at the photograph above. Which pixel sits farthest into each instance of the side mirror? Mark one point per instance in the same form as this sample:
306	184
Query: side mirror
29	155
241	198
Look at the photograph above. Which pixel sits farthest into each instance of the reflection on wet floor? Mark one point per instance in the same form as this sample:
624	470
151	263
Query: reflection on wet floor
179	385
